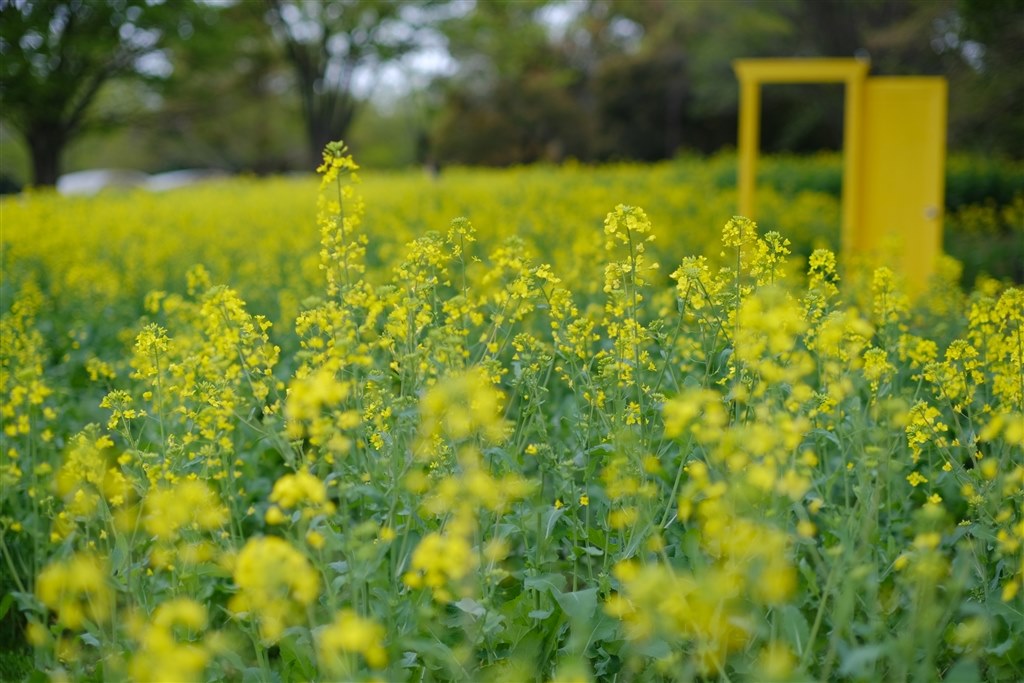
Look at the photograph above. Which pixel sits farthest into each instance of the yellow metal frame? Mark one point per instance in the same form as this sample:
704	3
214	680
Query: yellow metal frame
894	156
753	73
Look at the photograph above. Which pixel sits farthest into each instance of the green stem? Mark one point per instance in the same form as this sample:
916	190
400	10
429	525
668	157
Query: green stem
675	486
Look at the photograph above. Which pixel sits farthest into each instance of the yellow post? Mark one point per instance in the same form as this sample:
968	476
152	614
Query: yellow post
750	115
853	126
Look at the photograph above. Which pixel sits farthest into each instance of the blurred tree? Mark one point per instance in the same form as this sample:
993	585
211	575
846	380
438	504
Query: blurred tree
642	106
676	90
253	122
517	97
327	41
532	118
639	80
986	39
57	56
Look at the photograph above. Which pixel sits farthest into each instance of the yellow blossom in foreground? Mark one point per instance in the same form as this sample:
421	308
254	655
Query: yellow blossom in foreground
169	648
274	582
293	490
776	662
703	612
315	540
77	590
299	490
188	505
461	405
438	560
351	634
309	395
274	516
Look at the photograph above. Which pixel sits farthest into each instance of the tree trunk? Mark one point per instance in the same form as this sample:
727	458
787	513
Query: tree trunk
317	136
46	145
324	126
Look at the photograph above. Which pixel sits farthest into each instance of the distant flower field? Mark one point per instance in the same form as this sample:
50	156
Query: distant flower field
540	424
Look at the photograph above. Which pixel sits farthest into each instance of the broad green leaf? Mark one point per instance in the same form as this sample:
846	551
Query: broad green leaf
545	583
579	605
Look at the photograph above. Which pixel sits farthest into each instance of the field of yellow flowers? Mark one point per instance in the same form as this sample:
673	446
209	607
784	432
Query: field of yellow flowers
497	427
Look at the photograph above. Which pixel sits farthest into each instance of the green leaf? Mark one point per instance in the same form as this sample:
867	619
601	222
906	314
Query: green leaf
545	583
793	625
964	671
827	435
493	622
5	604
579	605
1002	648
508	589
27	602
434	653
857	659
296	652
550	518
655	648
810	577
471	606
603	628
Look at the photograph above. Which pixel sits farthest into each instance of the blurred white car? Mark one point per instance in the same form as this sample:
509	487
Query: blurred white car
96	180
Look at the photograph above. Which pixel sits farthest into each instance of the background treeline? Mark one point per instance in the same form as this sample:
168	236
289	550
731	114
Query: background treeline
260	86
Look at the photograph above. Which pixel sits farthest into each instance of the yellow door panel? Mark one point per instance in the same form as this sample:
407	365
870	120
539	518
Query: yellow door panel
903	174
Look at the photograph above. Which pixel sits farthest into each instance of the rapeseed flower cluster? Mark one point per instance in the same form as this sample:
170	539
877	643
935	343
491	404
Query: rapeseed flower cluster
77	590
174	644
26	408
299	491
275	582
350	634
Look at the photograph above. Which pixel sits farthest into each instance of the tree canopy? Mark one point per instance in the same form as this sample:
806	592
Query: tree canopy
327	41
56	55
264	85
649	79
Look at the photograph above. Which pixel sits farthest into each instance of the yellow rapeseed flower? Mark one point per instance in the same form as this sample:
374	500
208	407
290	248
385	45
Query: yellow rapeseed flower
77	590
351	633
275	581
